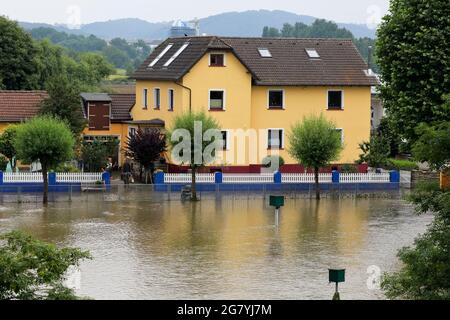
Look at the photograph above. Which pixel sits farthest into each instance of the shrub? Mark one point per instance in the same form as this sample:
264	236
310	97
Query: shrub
277	160
348	168
397	164
3	163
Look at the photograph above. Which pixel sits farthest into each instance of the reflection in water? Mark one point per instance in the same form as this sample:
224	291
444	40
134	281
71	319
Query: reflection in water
225	249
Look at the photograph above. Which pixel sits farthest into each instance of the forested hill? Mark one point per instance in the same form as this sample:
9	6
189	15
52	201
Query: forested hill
118	51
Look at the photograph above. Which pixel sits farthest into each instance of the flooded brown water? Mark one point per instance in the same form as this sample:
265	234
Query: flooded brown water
225	249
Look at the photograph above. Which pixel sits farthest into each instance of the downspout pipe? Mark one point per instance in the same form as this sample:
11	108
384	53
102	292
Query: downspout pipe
190	95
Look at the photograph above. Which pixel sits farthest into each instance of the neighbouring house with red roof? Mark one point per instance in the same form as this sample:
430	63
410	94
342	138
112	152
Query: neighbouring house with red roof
108	115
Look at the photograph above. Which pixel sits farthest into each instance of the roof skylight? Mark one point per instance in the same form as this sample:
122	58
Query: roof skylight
183	47
312	53
170	45
265	53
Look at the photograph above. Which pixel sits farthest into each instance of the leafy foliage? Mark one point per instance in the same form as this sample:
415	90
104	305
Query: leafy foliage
64	103
95	154
27	64
44	139
187	122
3	162
414	59
375	153
426	266
399	164
433	145
314	143
16	56
34	270
146	147
7	143
117	52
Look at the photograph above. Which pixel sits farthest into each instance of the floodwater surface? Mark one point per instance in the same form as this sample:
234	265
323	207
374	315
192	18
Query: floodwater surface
225	249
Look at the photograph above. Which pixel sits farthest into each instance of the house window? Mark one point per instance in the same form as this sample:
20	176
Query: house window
312	53
265	53
341	134
171	99
216	100
335	100
225	140
145	98
275	139
276	99
132	132
157	95
216	60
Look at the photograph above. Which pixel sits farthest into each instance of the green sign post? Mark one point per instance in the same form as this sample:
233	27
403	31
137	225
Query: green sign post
337	276
277	202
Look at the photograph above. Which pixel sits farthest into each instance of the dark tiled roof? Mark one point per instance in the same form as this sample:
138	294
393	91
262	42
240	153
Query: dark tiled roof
121	106
97	97
340	62
17	106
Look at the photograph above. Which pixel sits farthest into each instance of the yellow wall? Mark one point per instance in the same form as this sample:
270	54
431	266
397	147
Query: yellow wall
246	106
302	101
3	126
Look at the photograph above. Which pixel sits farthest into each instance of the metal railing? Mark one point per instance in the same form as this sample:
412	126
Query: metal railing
305	178
364	177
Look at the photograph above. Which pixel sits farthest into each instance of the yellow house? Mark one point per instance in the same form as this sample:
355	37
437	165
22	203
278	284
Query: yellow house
258	87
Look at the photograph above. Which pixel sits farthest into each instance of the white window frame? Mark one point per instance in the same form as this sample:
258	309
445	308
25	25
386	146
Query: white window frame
227	142
265	49
224	99
176	54
170	102
224	58
310	51
342	134
145	98
162	54
156	107
342	99
268	99
136	128
282	138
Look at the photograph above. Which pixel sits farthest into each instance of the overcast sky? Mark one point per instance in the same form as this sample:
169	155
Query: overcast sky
65	11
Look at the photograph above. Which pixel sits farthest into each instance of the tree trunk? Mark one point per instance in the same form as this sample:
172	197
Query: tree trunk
45	177
316	178
194	184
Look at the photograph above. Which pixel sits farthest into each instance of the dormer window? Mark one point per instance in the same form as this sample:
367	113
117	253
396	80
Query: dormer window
264	53
216	60
312	53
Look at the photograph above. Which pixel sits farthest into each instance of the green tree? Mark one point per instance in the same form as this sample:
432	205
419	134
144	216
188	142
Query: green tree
146	148
376	152
414	58
433	145
47	140
95	154
64	103
186	149
315	143
426	265
17	54
34	270
7	144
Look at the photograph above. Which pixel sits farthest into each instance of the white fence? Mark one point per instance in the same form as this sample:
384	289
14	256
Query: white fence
248	178
78	177
364	177
22	177
36	177
187	178
305	178
286	178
